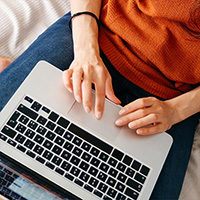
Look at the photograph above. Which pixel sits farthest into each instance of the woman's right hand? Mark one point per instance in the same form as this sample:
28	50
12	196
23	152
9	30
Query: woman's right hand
88	68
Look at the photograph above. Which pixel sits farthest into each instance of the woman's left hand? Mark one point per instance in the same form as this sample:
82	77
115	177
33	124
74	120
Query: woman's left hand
148	115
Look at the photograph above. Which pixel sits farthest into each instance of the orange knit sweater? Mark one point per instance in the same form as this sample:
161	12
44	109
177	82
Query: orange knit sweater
145	42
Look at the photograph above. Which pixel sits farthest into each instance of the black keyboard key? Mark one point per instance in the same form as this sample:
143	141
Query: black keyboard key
48	155
29	133
50	125
103	156
95	162
121	177
23	119
102	187
112	162
136	165
3	137
77	141
59	131
63	122
134	185
41	160
77	151
45	109
48	144
97	193
56	160
53	116
68	136
66	155
111	181
9	132
127	160
87	187
113	172
75	160
20	138
28	112
28	99
121	167
104	167
86	156
117	154
94	151
41	130
39	139
29	144
84	166
21	148
102	176
50	135
66	166
31	154
13	120
75	171
60	141
15	196
120	187
38	149
12	143
78	182
90	138
59	171
144	170
84	176
140	178
120	197
56	149
86	146
107	198
68	176
68	146
33	125
131	193
93	171
41	120
50	165
130	172
36	106
112	193
93	182
20	128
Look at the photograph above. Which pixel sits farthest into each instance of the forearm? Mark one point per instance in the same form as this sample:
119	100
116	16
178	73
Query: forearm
84	27
186	105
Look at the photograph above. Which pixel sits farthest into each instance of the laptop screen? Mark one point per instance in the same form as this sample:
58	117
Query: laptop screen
17	182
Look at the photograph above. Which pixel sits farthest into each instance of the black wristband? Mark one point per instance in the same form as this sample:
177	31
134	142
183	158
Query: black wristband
83	13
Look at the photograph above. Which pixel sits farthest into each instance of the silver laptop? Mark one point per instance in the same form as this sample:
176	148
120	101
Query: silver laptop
44	129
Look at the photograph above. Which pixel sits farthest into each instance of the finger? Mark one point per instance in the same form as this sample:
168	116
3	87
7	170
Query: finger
76	80
158	128
137	104
67	75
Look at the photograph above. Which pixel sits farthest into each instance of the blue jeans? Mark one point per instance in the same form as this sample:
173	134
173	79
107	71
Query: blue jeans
55	46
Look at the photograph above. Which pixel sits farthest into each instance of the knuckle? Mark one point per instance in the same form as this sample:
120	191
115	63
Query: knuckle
154	117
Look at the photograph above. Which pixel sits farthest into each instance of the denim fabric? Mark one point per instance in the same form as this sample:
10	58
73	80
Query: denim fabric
55	46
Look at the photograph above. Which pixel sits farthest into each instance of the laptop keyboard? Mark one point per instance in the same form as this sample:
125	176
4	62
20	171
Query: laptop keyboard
73	153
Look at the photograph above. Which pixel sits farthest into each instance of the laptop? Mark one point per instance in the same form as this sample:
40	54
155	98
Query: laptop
44	130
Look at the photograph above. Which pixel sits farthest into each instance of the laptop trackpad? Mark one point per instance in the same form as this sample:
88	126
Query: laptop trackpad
105	126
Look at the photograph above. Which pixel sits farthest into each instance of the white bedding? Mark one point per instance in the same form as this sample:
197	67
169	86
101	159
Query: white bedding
23	20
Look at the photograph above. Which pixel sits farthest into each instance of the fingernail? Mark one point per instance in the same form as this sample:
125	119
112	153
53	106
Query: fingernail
87	109
118	122
122	111
78	98
98	115
132	125
139	132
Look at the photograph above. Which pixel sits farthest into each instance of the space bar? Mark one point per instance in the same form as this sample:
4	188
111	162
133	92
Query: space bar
90	138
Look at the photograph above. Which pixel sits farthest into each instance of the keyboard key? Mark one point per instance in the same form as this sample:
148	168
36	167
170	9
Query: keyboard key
111	181
23	119
113	172
48	144
59	171
56	160
75	160
12	143
95	162
134	185
94	151
86	146
144	170
12	123
31	154
78	182
127	160
121	177
93	182
130	172
33	125
42	120
68	146
97	193
66	155
117	154
136	165
121	167
102	187
39	139
59	131
45	109
84	176
104	167
41	130
39	159
93	171
112	162
68	136
86	156
38	149
63	122
77	151
75	171
50	135
84	166
36	106
140	178
29	144
120	187
77	141
20	138
28	112
48	155
3	137
56	149
68	176
50	165
106	198
50	125
20	128
111	192
60	141
28	99
102	176
21	148
131	193
53	116
103	156
66	166
29	133
87	187
9	132
120	197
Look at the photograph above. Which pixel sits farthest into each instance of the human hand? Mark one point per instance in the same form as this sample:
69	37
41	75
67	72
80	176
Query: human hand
88	68
148	116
